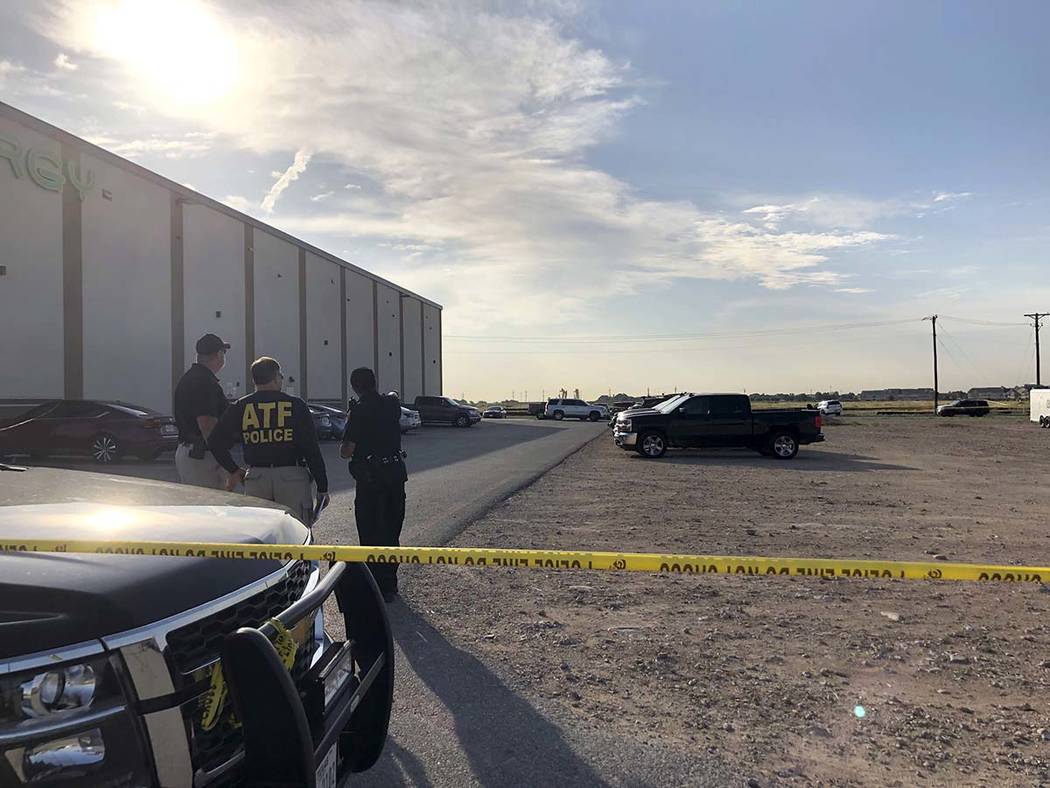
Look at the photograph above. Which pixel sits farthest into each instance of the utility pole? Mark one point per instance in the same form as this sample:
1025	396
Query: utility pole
936	392
1037	316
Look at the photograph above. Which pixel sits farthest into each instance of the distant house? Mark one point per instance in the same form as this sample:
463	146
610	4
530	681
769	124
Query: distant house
893	395
993	393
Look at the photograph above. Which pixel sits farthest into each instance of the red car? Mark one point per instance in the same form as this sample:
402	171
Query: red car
103	430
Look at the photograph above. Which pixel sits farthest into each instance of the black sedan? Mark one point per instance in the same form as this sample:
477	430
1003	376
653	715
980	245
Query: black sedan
495	412
104	430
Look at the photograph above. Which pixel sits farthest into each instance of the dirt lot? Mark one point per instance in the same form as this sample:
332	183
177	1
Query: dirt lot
772	675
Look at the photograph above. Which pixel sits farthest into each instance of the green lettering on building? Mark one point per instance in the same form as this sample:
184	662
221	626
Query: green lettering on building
44	168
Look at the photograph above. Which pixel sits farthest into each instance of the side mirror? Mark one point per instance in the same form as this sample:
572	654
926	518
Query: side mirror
682	410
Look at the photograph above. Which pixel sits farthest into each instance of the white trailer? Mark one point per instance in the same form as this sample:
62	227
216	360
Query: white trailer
1039	405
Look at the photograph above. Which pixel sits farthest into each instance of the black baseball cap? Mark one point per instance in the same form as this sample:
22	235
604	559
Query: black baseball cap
209	344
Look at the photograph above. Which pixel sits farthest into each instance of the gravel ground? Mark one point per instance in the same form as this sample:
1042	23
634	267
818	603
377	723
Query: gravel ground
771	676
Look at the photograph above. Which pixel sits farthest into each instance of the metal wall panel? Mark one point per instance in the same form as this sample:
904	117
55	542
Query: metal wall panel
412	347
126	288
277	305
31	296
388	312
213	290
323	343
360	322
432	348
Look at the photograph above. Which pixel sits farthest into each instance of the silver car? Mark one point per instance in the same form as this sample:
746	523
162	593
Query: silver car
409	420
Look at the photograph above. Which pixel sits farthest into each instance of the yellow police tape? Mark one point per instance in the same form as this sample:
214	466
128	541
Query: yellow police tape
552	559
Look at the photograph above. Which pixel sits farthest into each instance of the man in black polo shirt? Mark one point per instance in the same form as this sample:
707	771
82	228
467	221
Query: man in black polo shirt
280	445
199	402
372	443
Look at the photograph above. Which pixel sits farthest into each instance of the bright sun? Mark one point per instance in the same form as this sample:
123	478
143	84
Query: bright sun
177	50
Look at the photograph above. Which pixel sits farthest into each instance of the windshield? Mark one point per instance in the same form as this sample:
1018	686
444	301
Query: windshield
669	405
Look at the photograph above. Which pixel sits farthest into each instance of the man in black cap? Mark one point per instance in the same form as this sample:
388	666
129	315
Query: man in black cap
199	402
372	443
280	445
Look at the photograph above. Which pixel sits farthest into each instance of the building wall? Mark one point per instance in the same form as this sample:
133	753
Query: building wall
412	333
388	305
126	248
31	290
213	290
277	305
360	322
110	280
324	345
432	349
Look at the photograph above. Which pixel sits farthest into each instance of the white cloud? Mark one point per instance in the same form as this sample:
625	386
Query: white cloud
475	129
239	203
321	196
853	290
7	68
186	145
352	186
63	63
951	196
286	178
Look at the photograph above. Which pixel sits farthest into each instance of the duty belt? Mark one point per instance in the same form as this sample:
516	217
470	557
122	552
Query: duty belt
399	457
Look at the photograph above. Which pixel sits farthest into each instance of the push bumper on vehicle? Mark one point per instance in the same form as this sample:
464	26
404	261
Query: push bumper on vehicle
335	721
626	440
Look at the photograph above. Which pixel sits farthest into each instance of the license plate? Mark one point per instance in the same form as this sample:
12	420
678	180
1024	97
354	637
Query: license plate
326	775
337	674
169	429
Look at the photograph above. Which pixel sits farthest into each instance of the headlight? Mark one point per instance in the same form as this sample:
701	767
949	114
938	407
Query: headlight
625	425
69	724
72	687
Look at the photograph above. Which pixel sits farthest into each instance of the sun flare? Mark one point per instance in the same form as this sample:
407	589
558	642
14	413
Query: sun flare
177	51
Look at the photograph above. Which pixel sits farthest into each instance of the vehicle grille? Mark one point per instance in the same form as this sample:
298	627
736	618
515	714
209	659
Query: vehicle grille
199	643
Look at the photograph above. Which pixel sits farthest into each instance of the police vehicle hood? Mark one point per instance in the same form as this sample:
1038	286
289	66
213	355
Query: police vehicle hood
50	600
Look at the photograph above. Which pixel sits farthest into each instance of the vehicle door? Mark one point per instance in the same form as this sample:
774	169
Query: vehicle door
577	409
428	407
75	424
688	422
450	410
30	432
730	421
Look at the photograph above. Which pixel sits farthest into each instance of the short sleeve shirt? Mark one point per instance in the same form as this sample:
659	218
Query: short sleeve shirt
198	393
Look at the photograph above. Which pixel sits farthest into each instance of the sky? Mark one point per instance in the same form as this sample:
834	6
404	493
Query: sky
615	197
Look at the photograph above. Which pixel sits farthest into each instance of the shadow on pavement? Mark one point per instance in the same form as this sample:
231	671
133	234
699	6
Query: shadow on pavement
505	739
438	446
398	766
823	462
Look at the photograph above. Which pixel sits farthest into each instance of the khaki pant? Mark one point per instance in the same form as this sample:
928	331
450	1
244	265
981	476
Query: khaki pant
289	486
205	472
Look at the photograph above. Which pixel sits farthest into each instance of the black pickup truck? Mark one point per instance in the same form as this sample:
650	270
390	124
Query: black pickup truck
716	420
143	670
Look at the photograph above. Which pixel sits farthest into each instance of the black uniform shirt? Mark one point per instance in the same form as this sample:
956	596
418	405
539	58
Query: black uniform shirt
198	393
375	427
276	430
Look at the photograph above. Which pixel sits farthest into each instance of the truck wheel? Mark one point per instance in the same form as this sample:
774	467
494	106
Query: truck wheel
462	421
652	445
784	446
594	416
558	415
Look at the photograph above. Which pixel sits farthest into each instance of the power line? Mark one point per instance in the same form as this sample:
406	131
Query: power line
606	338
976	322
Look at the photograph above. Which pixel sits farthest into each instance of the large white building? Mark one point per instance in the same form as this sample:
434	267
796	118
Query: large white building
109	273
